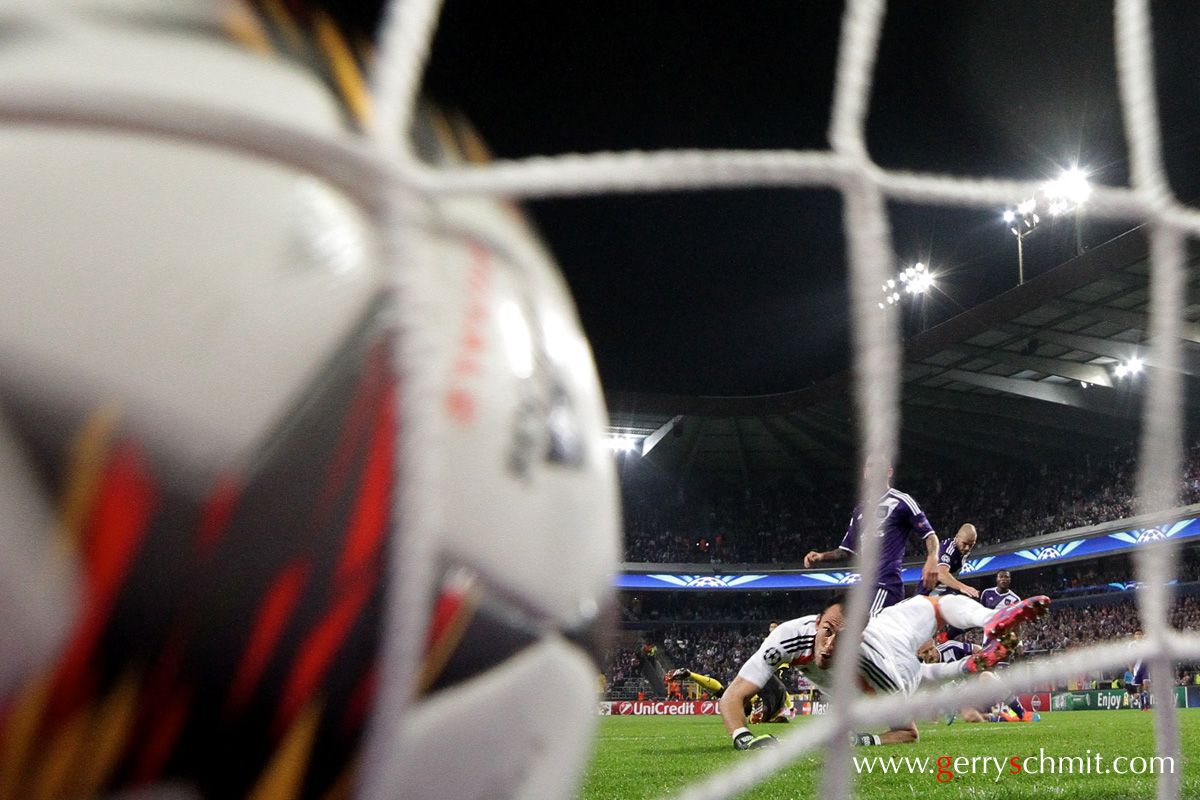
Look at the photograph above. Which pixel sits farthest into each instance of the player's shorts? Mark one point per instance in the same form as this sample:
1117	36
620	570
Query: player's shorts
1141	675
773	697
885	597
889	649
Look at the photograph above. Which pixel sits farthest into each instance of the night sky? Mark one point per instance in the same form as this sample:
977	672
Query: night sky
744	292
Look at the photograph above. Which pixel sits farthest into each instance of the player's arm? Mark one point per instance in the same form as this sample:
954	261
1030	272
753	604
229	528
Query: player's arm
829	556
733	714
947	579
733	703
929	571
900	734
843	551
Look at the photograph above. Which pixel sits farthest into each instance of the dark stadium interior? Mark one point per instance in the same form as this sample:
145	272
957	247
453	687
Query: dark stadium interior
720	323
1014	417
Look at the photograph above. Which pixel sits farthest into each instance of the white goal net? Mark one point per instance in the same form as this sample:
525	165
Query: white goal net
372	177
866	187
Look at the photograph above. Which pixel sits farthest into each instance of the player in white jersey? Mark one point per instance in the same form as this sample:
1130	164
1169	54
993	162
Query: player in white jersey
887	656
806	643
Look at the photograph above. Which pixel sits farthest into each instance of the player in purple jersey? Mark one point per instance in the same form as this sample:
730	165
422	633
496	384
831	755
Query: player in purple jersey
1139	685
997	597
951	554
898	517
1001	594
952	651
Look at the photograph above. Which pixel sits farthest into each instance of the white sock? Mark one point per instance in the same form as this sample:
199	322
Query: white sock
935	673
963	612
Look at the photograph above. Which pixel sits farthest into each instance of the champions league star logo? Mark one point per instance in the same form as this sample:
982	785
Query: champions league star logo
1152	534
1049	553
839	578
977	564
707	581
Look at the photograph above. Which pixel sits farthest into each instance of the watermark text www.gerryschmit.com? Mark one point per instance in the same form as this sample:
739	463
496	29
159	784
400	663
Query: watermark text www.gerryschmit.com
945	768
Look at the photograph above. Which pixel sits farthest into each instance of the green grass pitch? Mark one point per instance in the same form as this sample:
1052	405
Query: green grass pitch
649	757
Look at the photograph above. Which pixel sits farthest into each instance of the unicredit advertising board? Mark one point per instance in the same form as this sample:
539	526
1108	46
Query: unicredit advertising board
658	707
1094	544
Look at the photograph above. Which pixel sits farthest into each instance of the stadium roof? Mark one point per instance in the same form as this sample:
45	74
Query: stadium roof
1033	375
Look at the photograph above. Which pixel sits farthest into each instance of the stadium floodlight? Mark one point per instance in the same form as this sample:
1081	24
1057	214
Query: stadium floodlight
623	444
914	280
1131	367
1061	196
917	279
1022	221
1070	190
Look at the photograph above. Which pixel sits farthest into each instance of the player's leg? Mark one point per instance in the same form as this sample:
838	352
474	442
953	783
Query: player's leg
963	612
773	697
969	714
711	685
879	602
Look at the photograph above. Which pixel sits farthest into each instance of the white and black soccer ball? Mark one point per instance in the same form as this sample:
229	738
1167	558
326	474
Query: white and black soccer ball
300	486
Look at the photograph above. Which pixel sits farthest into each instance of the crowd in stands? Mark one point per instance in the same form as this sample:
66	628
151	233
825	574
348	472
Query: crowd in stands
721	523
1070	626
777	523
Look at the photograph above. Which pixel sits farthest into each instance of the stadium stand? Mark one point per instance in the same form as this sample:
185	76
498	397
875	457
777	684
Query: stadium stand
719	648
715	520
713	632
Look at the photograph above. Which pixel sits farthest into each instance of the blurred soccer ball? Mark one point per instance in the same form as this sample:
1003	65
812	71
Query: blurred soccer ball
250	442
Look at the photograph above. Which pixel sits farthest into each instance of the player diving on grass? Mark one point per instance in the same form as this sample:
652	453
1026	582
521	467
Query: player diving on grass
898	517
952	651
887	655
772	703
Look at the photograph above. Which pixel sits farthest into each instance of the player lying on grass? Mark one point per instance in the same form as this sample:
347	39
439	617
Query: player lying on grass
772	703
952	651
887	654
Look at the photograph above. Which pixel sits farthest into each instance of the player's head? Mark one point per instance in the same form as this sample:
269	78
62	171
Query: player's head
964	540
928	652
1137	634
867	470
829	625
1003	580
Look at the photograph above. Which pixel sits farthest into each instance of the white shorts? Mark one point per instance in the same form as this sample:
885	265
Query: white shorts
890	644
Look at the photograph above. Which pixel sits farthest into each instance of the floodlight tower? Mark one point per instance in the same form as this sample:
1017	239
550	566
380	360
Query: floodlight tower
915	280
1023	221
1062	196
